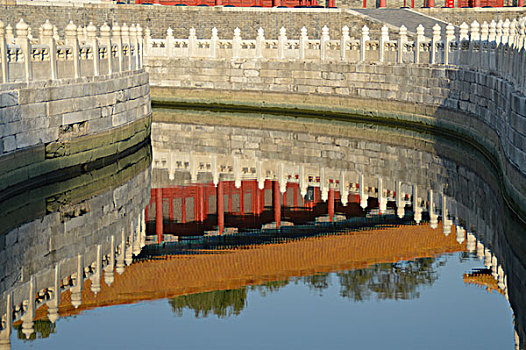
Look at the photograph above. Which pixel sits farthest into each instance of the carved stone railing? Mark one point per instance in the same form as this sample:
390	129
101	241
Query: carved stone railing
491	46
81	52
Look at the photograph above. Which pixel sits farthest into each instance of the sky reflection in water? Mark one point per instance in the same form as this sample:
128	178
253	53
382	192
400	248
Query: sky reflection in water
446	312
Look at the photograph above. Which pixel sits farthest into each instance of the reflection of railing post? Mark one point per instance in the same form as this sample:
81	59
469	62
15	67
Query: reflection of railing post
159	214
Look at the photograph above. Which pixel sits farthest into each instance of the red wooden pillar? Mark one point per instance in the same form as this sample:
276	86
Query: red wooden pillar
412	4
242	198
159	214
259	205
201	197
183	207
277	204
230	190
219	2
295	196
520	3
171	206
220	208
431	3
383	3
330	204
364	5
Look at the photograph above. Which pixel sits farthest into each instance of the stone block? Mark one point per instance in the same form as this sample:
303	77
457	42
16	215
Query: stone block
9	143
8	99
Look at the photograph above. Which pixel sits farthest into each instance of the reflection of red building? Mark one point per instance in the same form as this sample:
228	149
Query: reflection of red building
194	209
237	3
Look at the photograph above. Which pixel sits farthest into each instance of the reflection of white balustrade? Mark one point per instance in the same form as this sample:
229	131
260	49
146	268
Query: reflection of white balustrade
76	290
109	276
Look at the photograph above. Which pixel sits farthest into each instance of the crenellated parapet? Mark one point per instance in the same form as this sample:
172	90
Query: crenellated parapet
83	51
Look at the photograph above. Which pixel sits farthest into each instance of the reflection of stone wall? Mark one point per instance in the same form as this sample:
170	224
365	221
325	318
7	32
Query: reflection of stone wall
473	104
76	228
316	145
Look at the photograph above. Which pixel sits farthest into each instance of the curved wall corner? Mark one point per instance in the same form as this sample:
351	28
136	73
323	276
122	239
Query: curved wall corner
60	128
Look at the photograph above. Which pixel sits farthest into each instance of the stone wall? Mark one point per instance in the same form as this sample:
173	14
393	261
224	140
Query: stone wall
52	125
111	218
203	19
457	16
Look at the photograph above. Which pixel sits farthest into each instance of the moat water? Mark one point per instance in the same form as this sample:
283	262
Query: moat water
256	231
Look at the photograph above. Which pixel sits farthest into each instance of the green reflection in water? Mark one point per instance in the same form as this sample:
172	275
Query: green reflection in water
398	281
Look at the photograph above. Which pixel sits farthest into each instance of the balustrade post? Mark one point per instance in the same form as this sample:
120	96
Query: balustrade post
169	43
473	40
46	38
450	36
9	36
105	39
417	209
72	39
512	51
3	54
522	47
434	43
484	35
384	38
192	43
400	202
260	42
282	42
22	40
324	40
343	43
402	40
236	43
147	41
125	38
214	40
498	40
303	43
463	36
94	43
420	38
134	47
363	42
5	333
140	47
116	38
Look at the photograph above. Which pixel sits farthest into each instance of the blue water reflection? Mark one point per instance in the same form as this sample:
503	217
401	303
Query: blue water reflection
443	313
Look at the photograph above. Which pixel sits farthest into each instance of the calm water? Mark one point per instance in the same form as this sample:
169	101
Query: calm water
251	231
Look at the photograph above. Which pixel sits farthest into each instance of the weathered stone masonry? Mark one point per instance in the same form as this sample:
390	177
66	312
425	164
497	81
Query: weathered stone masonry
59	112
